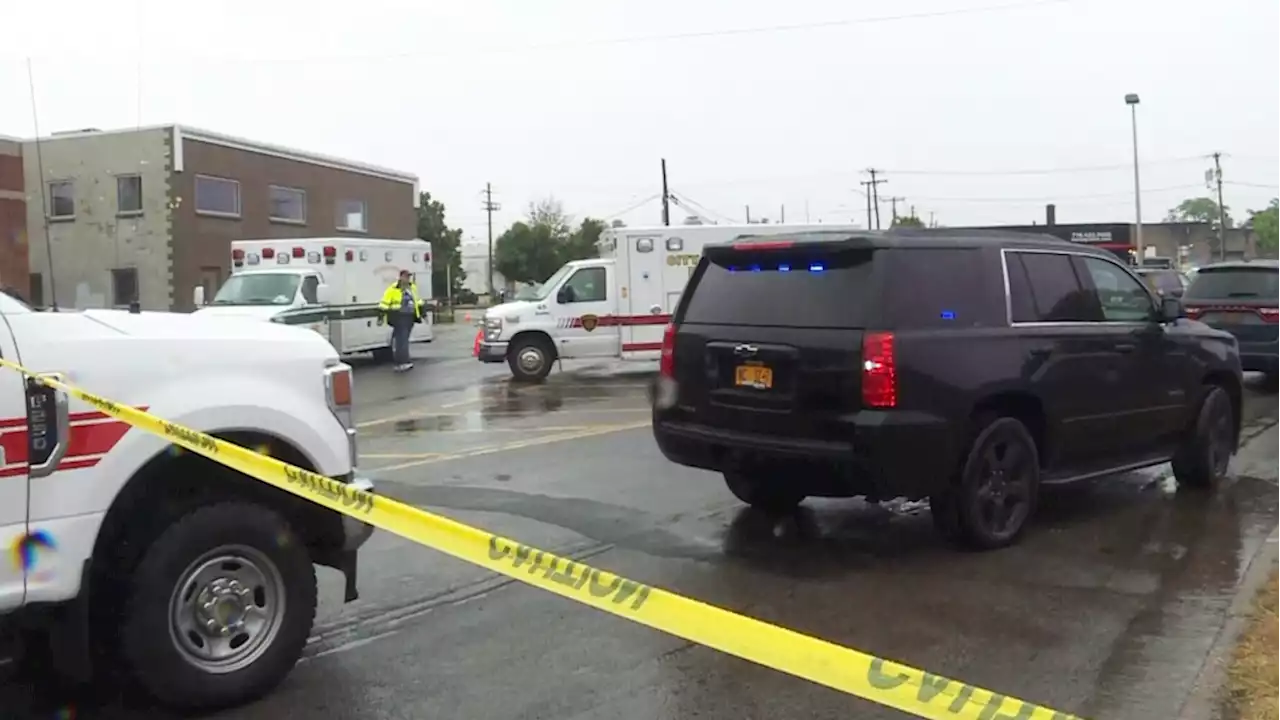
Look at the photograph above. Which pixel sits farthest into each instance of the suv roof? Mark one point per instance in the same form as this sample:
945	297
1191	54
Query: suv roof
931	237
1236	264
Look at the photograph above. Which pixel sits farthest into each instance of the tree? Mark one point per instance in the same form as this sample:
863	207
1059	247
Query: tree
527	253
550	213
909	221
582	242
1200	210
1264	226
446	245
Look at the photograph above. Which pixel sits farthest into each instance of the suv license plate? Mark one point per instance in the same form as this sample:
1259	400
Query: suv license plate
753	376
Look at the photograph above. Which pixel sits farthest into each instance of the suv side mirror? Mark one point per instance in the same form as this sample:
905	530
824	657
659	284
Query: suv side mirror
1171	309
324	294
197	296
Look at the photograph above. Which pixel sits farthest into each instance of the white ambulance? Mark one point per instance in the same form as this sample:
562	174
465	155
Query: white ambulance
614	306
330	285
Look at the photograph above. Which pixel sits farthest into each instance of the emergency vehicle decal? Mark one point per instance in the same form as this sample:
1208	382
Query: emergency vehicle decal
93	434
612	321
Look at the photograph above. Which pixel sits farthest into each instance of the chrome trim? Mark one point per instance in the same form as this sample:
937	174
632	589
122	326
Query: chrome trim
356	532
62	412
1008	295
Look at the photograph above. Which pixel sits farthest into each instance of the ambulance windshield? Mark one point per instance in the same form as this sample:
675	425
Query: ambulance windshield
259	289
549	286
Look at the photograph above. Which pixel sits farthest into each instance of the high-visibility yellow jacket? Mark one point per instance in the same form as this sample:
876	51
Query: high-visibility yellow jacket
392	298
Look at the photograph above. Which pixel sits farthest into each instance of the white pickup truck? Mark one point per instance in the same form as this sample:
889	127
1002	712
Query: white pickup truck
124	553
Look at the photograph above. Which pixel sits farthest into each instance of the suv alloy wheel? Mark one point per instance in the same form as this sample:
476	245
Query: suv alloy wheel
994	495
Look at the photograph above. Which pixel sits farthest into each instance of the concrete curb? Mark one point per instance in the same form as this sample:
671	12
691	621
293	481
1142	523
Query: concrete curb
1204	701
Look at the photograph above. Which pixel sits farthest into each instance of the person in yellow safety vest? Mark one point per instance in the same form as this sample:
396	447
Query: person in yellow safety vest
401	308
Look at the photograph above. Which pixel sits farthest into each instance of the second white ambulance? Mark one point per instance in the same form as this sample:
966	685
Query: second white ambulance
614	306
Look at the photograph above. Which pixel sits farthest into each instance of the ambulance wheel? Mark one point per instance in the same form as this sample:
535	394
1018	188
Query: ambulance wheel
530	358
219	608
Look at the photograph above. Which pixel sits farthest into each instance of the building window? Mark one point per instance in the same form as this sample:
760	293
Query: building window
288	205
62	200
352	216
124	286
128	194
217	196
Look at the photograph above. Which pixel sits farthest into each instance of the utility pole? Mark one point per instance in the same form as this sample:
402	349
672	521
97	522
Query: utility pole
489	208
932	224
893	203
867	194
782	215
748	207
1222	211
806	212
875	182
666	196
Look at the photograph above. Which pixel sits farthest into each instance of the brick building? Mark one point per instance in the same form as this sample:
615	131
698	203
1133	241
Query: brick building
148	214
13	219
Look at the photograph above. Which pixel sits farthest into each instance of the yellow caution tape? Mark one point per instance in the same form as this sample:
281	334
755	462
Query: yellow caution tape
888	683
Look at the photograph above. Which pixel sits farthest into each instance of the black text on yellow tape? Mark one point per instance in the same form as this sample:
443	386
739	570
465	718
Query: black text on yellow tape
881	681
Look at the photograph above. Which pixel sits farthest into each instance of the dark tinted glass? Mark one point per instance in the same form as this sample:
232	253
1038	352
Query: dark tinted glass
1166	280
831	291
934	287
1228	283
1056	291
1022	307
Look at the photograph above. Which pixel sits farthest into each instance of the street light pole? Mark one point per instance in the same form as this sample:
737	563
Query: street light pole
1132	101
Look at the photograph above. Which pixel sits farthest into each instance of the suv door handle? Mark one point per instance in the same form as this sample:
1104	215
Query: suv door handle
1125	347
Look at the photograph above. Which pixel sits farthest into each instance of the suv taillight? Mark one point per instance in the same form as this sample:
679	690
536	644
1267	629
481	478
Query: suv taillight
667	362
1271	315
1193	312
879	375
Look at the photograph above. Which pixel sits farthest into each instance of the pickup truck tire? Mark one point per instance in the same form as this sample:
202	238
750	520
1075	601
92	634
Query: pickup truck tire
993	497
530	357
219	608
762	492
1205	455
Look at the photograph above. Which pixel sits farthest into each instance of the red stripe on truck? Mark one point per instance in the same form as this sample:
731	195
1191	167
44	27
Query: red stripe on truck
625	320
93	434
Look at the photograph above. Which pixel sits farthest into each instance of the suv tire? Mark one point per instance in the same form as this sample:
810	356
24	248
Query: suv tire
530	358
763	492
993	497
1204	457
202	574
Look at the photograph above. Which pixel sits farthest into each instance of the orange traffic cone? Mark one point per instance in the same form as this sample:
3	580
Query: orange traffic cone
475	349
466	317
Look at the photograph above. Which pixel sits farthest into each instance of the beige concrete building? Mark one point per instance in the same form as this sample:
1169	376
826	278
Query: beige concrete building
144	215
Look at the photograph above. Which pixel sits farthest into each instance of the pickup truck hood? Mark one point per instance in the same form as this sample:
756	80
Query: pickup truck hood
520	308
250	312
194	326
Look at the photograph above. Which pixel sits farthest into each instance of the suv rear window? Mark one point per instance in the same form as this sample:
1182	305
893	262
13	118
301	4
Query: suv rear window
782	289
1234	283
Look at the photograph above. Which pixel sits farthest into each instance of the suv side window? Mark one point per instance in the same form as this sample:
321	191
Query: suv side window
1055	293
935	287
586	285
1123	299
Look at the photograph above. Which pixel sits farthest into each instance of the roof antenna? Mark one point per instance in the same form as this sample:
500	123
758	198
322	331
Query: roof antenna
44	191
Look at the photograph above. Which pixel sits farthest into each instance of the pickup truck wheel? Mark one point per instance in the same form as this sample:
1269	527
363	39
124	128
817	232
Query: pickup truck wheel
530	358
762	492
994	496
220	607
1204	457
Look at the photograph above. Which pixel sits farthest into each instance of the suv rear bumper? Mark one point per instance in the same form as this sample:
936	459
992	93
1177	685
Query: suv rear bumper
889	454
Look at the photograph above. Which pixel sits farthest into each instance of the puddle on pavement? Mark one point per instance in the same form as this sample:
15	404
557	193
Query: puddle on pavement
489	403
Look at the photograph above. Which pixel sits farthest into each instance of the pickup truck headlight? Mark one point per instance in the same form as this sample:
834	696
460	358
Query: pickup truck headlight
492	328
339	390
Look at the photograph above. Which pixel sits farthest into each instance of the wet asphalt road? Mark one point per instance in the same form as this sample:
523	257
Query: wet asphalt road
1106	609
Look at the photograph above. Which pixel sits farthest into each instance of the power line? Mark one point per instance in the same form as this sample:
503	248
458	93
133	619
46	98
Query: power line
1263	186
1053	198
1050	171
636	206
658	37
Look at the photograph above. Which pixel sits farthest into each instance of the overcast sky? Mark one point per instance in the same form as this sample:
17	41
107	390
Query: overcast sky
752	102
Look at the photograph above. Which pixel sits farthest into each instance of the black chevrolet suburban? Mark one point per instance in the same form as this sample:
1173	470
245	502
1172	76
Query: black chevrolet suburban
967	367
